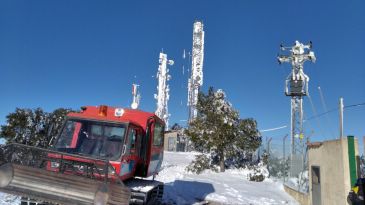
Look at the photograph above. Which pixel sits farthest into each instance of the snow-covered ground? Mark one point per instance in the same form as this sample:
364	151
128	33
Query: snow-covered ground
230	187
6	199
301	183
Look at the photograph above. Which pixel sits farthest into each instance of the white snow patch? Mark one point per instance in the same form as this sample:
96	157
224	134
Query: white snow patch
300	183
230	187
7	199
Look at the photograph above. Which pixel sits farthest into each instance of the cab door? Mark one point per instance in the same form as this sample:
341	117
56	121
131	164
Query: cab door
156	151
130	155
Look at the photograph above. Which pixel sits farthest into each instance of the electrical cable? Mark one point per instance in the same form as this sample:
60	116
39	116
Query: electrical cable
315	113
325	109
315	116
335	109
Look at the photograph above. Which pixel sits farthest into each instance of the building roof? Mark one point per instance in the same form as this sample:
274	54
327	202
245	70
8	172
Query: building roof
314	144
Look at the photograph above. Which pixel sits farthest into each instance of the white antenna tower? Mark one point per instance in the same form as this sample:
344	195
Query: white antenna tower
163	89
296	86
136	96
196	79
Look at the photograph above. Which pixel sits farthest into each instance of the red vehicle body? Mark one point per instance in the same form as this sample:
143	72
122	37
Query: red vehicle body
94	160
140	149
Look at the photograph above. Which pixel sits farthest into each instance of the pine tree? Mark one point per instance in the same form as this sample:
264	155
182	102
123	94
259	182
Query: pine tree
218	130
38	125
247	141
31	127
55	122
20	126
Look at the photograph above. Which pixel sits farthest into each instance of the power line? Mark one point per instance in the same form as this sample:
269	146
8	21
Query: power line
315	116
335	109
319	115
355	105
325	109
315	113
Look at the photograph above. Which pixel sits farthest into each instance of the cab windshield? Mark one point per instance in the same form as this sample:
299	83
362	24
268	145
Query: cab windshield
90	138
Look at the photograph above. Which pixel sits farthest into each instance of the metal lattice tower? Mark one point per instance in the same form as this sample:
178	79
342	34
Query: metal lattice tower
196	79
163	89
296	86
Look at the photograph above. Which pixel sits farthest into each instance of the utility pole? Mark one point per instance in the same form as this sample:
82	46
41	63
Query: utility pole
268	146
341	117
363	142
284	139
284	159
296	86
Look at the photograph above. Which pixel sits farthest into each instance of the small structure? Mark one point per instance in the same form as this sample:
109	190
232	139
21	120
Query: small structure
175	141
332	170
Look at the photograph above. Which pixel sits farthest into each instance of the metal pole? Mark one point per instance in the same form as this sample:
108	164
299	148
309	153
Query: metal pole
284	147
363	143
284	156
291	127
268	145
341	117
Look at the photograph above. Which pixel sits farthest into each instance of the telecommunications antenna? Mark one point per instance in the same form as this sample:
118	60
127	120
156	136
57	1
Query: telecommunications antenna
296	86
197	58
163	89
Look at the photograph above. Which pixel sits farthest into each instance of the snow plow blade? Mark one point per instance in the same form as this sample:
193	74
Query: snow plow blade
59	178
59	188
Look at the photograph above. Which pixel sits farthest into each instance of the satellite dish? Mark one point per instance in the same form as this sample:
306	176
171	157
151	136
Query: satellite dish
134	105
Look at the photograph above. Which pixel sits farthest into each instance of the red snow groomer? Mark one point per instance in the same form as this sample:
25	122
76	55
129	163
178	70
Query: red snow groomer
99	157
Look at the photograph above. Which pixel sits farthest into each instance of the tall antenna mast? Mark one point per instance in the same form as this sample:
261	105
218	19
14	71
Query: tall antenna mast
296	86
136	96
163	89
196	79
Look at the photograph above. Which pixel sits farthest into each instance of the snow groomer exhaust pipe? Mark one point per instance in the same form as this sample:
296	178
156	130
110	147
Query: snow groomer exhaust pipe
60	187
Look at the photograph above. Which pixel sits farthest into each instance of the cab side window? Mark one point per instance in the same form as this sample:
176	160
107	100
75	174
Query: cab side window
158	135
133	140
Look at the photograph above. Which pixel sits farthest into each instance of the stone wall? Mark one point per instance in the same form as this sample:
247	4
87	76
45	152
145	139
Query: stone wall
302	198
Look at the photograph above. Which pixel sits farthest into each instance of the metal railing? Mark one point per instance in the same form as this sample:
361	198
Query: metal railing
56	161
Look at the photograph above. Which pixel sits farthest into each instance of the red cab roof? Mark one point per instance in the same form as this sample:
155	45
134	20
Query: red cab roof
107	113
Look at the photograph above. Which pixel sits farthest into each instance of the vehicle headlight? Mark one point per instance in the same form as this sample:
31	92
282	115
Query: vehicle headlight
111	171
80	168
55	165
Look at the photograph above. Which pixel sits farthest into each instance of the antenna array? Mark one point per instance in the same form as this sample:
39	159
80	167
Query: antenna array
196	79
163	89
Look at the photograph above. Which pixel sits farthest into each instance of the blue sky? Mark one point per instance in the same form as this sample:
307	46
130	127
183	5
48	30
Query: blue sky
73	53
